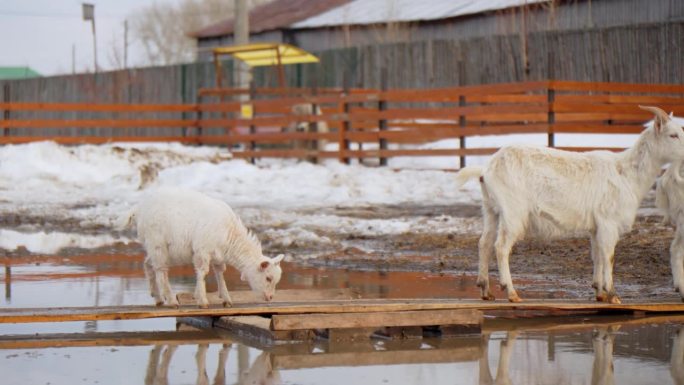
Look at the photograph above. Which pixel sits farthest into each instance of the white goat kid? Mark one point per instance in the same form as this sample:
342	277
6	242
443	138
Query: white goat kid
670	200
179	226
321	126
549	193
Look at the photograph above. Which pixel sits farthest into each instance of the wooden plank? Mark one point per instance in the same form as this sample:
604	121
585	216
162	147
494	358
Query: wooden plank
384	357
595	128
62	314
87	123
97	139
60	340
631	110
269	137
285	295
376	319
552	324
96	107
620	99
258	327
564	85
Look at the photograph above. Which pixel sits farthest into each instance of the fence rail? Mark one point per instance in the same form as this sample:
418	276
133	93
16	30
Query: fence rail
382	123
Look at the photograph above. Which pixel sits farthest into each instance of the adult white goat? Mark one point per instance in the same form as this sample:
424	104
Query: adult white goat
550	193
180	226
670	200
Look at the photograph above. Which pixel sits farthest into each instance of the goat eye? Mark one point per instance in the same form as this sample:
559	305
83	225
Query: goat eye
269	279
674	136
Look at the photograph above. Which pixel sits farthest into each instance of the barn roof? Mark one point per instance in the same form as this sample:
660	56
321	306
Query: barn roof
274	15
360	12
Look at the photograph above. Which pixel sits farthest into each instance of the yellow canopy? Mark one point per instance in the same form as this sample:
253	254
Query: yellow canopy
267	54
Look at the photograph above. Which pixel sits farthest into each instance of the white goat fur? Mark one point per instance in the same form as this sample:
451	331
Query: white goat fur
307	109
180	226
670	200
550	193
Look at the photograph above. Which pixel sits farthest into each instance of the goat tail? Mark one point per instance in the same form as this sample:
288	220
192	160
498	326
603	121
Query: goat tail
125	221
468	173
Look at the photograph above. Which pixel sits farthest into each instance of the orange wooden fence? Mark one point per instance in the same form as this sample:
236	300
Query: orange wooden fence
384	124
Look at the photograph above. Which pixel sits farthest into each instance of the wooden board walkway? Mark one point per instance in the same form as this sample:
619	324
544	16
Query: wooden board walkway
60	340
63	314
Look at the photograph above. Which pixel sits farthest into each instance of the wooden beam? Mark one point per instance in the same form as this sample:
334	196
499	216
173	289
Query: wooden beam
97	139
62	314
285	295
92	107
258	328
386	357
376	319
60	340
89	123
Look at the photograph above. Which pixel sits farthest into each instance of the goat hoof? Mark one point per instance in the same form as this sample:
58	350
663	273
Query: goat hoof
514	299
613	299
159	303
677	289
227	304
488	297
600	298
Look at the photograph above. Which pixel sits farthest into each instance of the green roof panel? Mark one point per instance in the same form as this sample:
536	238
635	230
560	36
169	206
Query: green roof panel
9	73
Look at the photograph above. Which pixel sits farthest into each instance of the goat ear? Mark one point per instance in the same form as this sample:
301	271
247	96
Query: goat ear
276	260
263	265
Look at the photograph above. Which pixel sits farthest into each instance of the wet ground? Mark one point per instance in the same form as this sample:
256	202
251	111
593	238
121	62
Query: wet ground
571	350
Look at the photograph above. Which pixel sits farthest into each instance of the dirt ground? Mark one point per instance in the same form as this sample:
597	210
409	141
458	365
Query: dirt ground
642	265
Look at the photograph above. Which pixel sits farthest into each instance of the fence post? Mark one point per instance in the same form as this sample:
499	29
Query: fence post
252	127
382	123
313	125
6	112
462	117
343	145
550	97
198	116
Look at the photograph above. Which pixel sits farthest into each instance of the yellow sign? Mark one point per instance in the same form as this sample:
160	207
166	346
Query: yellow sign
247	111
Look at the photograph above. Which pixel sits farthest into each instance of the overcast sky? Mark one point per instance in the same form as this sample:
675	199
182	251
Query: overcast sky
41	33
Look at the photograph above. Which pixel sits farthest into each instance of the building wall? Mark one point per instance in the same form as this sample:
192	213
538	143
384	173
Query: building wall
563	16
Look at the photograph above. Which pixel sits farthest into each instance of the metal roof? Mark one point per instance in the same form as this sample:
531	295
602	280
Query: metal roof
8	73
274	15
267	54
359	12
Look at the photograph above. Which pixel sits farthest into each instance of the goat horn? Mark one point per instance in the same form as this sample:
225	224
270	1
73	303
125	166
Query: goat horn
657	112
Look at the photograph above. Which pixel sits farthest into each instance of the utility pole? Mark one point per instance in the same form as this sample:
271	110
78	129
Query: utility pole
89	14
241	37
125	44
73	59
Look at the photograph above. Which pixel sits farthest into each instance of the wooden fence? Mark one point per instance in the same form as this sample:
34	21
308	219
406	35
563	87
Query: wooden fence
384	124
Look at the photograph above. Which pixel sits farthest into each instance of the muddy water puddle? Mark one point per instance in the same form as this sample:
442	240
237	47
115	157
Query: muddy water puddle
559	351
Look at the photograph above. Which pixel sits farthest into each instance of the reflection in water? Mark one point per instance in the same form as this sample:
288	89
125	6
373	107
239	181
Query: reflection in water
602	371
261	372
158	371
502	374
8	283
677	357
